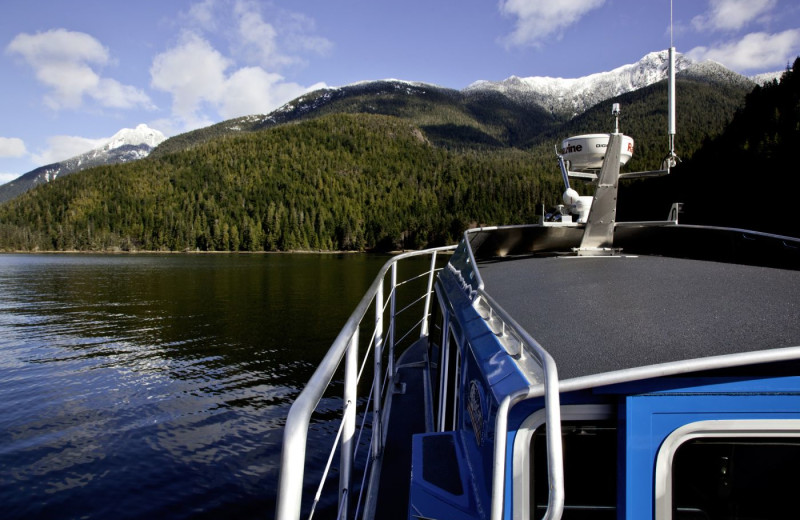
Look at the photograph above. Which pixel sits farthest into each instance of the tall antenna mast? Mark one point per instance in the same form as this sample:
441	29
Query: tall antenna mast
671	159
671	44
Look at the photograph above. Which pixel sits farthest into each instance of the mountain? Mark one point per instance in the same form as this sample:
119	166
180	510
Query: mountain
744	177
384	165
448	117
341	181
129	144
484	115
573	96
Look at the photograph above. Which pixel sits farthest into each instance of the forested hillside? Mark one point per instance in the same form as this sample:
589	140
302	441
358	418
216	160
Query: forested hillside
349	179
335	183
746	177
448	117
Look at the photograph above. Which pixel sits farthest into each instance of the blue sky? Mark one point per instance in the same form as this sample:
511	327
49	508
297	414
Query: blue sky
75	72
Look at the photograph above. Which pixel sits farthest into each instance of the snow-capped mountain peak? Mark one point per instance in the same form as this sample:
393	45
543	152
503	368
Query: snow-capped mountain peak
574	95
129	144
142	134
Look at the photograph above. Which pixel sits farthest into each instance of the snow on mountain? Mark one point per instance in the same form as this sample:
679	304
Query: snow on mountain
572	96
767	77
124	146
563	96
142	134
129	144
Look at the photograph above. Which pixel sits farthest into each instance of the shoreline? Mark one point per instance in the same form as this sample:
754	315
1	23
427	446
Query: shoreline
154	252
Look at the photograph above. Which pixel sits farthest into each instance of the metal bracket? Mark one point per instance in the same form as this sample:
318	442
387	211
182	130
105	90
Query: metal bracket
599	233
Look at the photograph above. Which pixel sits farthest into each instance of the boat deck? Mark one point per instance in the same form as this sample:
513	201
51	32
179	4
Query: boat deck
405	420
628	312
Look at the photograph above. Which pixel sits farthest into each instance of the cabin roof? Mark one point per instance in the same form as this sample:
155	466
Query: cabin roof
603	314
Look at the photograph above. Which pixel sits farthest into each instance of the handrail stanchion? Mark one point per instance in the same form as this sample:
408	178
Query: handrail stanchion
392	302
349	430
423	330
295	433
552	405
377	434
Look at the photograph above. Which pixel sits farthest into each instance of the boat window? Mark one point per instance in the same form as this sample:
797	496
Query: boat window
590	470
450	369
729	469
735	478
435	342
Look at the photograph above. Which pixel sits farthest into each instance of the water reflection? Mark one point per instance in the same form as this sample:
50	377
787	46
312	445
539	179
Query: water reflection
148	385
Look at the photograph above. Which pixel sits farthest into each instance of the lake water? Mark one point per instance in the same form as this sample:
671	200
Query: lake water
156	386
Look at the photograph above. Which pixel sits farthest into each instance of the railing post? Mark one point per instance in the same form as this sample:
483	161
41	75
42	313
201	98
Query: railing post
392	302
295	434
423	330
377	434
349	429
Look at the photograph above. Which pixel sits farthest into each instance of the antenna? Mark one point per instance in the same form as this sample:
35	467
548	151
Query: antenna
671	43
671	100
672	158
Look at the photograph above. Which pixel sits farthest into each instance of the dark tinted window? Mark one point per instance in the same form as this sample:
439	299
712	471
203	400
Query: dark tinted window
435	341
451	365
734	478
590	470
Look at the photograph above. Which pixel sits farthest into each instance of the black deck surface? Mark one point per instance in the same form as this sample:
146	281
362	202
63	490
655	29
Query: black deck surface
406	419
601	314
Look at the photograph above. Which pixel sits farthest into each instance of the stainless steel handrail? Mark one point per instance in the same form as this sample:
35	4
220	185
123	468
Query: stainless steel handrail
295	435
550	388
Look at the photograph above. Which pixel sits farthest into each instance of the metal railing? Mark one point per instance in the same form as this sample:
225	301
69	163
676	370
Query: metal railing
345	349
547	387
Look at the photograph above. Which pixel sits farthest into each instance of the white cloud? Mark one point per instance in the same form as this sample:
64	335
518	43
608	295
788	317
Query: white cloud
113	94
252	90
205	84
65	61
258	40
12	147
277	44
258	33
756	51
539	19
733	15
196	75
193	72
7	177
202	14
61	147
298	35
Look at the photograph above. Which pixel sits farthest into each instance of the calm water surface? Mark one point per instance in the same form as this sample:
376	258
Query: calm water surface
157	385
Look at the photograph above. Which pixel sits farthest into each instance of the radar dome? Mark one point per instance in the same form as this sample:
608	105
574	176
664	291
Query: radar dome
586	152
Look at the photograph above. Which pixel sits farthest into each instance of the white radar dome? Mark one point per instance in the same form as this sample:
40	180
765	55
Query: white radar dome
586	152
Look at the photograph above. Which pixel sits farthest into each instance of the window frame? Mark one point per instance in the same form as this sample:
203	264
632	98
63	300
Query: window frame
521	455
710	429
433	381
448	397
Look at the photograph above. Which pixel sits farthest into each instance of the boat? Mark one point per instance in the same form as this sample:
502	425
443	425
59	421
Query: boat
578	367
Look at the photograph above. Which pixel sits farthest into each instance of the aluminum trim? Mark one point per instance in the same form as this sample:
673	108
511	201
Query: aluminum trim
742	428
679	367
522	456
295	435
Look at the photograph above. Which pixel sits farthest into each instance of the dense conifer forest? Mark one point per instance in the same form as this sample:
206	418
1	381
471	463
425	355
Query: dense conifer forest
340	182
354	180
747	176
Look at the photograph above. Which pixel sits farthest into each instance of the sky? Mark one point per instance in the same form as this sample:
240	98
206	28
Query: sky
73	73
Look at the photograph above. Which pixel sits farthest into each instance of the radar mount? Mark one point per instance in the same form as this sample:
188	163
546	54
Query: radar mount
598	158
